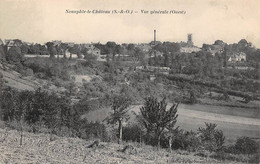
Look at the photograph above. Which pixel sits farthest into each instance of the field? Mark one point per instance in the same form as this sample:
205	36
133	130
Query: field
234	123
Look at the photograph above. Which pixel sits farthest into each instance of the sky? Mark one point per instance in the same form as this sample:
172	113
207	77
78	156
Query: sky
39	21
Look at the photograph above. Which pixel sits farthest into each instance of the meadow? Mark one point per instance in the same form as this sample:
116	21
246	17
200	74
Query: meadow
234	123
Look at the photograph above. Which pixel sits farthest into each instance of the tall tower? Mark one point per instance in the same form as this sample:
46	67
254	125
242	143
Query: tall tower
189	42
154	42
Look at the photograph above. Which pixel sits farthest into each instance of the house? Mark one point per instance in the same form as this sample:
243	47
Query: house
70	44
91	49
56	42
70	55
27	43
157	54
213	49
13	43
164	70
237	57
88	46
94	51
188	49
216	49
152	77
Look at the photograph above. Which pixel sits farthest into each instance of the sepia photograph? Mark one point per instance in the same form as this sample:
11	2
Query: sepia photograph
129	82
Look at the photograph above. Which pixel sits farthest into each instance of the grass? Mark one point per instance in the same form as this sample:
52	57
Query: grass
191	117
37	148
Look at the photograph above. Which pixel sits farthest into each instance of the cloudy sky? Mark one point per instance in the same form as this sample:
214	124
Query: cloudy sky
44	20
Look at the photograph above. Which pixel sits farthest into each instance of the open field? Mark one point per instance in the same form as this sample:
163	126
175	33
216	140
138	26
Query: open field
191	117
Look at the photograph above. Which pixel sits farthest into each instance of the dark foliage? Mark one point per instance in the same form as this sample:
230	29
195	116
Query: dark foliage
245	145
133	133
43	109
14	55
48	68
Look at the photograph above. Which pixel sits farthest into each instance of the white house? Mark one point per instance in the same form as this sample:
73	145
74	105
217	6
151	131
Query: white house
237	57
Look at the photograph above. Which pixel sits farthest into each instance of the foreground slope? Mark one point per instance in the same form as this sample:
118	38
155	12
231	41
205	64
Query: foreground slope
37	148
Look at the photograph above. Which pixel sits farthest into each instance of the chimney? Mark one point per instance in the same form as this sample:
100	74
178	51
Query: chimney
154	37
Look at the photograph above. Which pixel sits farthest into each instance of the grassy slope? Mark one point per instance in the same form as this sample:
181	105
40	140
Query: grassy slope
37	148
14	80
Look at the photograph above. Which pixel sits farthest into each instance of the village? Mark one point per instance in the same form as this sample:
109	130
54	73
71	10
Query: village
73	50
124	82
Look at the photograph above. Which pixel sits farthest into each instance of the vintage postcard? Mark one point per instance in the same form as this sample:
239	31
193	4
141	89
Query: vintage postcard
138	81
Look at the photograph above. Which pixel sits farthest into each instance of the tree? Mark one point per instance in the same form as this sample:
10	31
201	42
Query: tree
166	60
212	138
51	48
34	49
25	48
43	50
1	92
64	47
74	50
120	105
219	42
59	50
15	55
193	99
2	53
156	118
111	47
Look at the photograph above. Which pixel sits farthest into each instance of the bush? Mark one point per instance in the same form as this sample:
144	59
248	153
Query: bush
186	140
245	145
193	99
27	72
93	131
133	133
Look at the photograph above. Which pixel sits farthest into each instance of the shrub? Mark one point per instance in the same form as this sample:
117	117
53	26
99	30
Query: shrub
93	131
133	133
193	99
187	140
246	145
27	72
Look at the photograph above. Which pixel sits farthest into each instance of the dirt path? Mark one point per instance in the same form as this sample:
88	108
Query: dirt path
217	117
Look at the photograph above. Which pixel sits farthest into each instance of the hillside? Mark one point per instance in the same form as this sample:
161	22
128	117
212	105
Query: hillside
14	79
20	82
37	148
